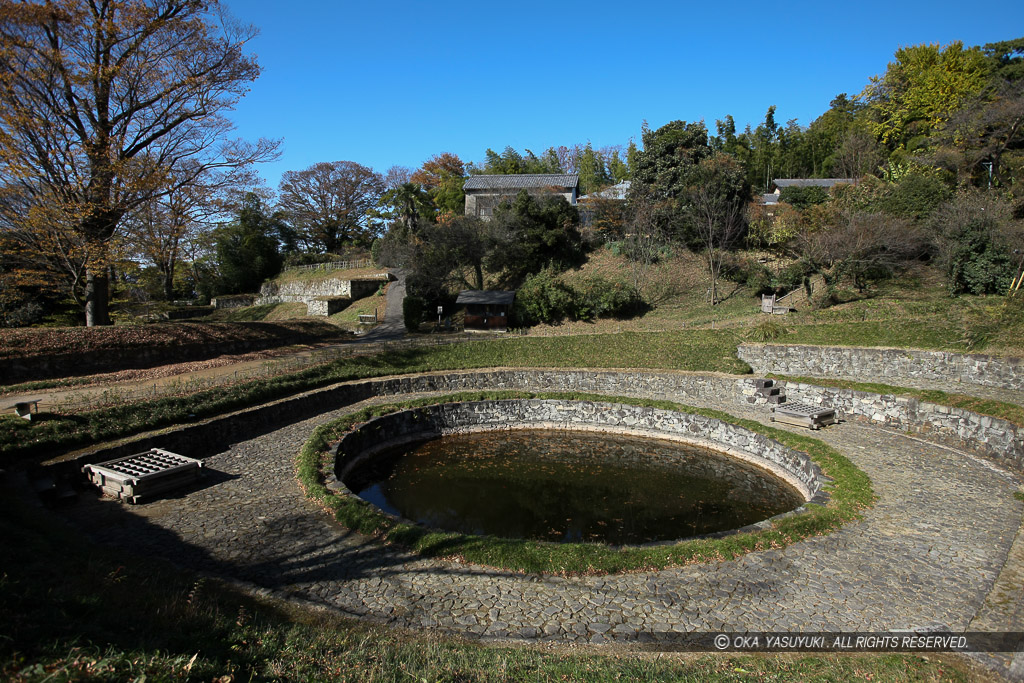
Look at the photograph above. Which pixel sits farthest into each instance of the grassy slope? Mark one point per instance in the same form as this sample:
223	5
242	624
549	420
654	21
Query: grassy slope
911	311
44	341
702	350
368	305
347	319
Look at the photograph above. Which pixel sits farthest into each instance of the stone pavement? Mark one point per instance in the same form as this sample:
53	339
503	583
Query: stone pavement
931	552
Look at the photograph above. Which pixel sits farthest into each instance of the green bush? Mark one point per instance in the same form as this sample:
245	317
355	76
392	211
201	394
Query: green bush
543	299
598	297
546	299
412	312
767	330
976	235
750	272
915	196
802	197
792	276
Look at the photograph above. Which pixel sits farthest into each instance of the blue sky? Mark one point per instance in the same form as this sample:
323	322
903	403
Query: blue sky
392	83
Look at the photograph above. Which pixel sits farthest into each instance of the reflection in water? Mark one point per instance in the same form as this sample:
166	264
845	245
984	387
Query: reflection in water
570	486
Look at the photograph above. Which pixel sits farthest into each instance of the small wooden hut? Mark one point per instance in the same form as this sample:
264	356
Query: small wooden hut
486	310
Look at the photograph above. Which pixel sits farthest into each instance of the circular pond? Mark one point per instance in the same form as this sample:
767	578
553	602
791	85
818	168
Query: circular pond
569	486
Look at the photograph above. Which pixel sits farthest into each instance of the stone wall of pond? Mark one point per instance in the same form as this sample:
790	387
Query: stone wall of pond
388	431
998	440
884	365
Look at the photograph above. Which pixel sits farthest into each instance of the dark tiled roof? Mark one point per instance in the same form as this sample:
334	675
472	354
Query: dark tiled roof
770	198
812	182
476	296
521	182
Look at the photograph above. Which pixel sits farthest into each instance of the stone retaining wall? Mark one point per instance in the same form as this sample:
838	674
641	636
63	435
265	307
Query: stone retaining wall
233	301
327	306
303	291
997	440
388	431
881	365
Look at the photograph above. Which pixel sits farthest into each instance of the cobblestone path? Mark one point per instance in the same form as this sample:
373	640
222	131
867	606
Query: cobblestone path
928	553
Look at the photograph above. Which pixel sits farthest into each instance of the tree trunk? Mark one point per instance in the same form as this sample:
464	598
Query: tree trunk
97	291
478	269
169	286
713	269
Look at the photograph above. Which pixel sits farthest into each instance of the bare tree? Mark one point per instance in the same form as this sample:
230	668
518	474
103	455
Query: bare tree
101	102
642	244
331	203
397	176
39	252
159	229
717	195
858	154
859	246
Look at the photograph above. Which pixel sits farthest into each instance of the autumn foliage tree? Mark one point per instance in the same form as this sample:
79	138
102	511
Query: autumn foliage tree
106	104
331	204
443	176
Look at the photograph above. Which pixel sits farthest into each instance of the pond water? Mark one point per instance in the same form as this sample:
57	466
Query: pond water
570	486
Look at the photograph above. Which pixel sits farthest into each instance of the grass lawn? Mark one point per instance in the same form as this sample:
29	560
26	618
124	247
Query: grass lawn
368	305
700	350
268	312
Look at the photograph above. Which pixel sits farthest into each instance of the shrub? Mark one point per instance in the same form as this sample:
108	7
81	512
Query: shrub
750	272
802	197
412	312
915	196
546	298
543	299
768	330
976	235
598	297
792	276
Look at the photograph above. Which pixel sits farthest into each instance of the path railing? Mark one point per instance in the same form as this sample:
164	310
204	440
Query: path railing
335	265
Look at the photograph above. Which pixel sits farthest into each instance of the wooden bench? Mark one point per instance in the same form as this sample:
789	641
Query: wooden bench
368	319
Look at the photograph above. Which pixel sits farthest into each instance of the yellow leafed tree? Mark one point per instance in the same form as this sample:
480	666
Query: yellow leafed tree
107	104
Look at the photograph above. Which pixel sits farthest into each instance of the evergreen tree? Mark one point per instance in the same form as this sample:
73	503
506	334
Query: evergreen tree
247	249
